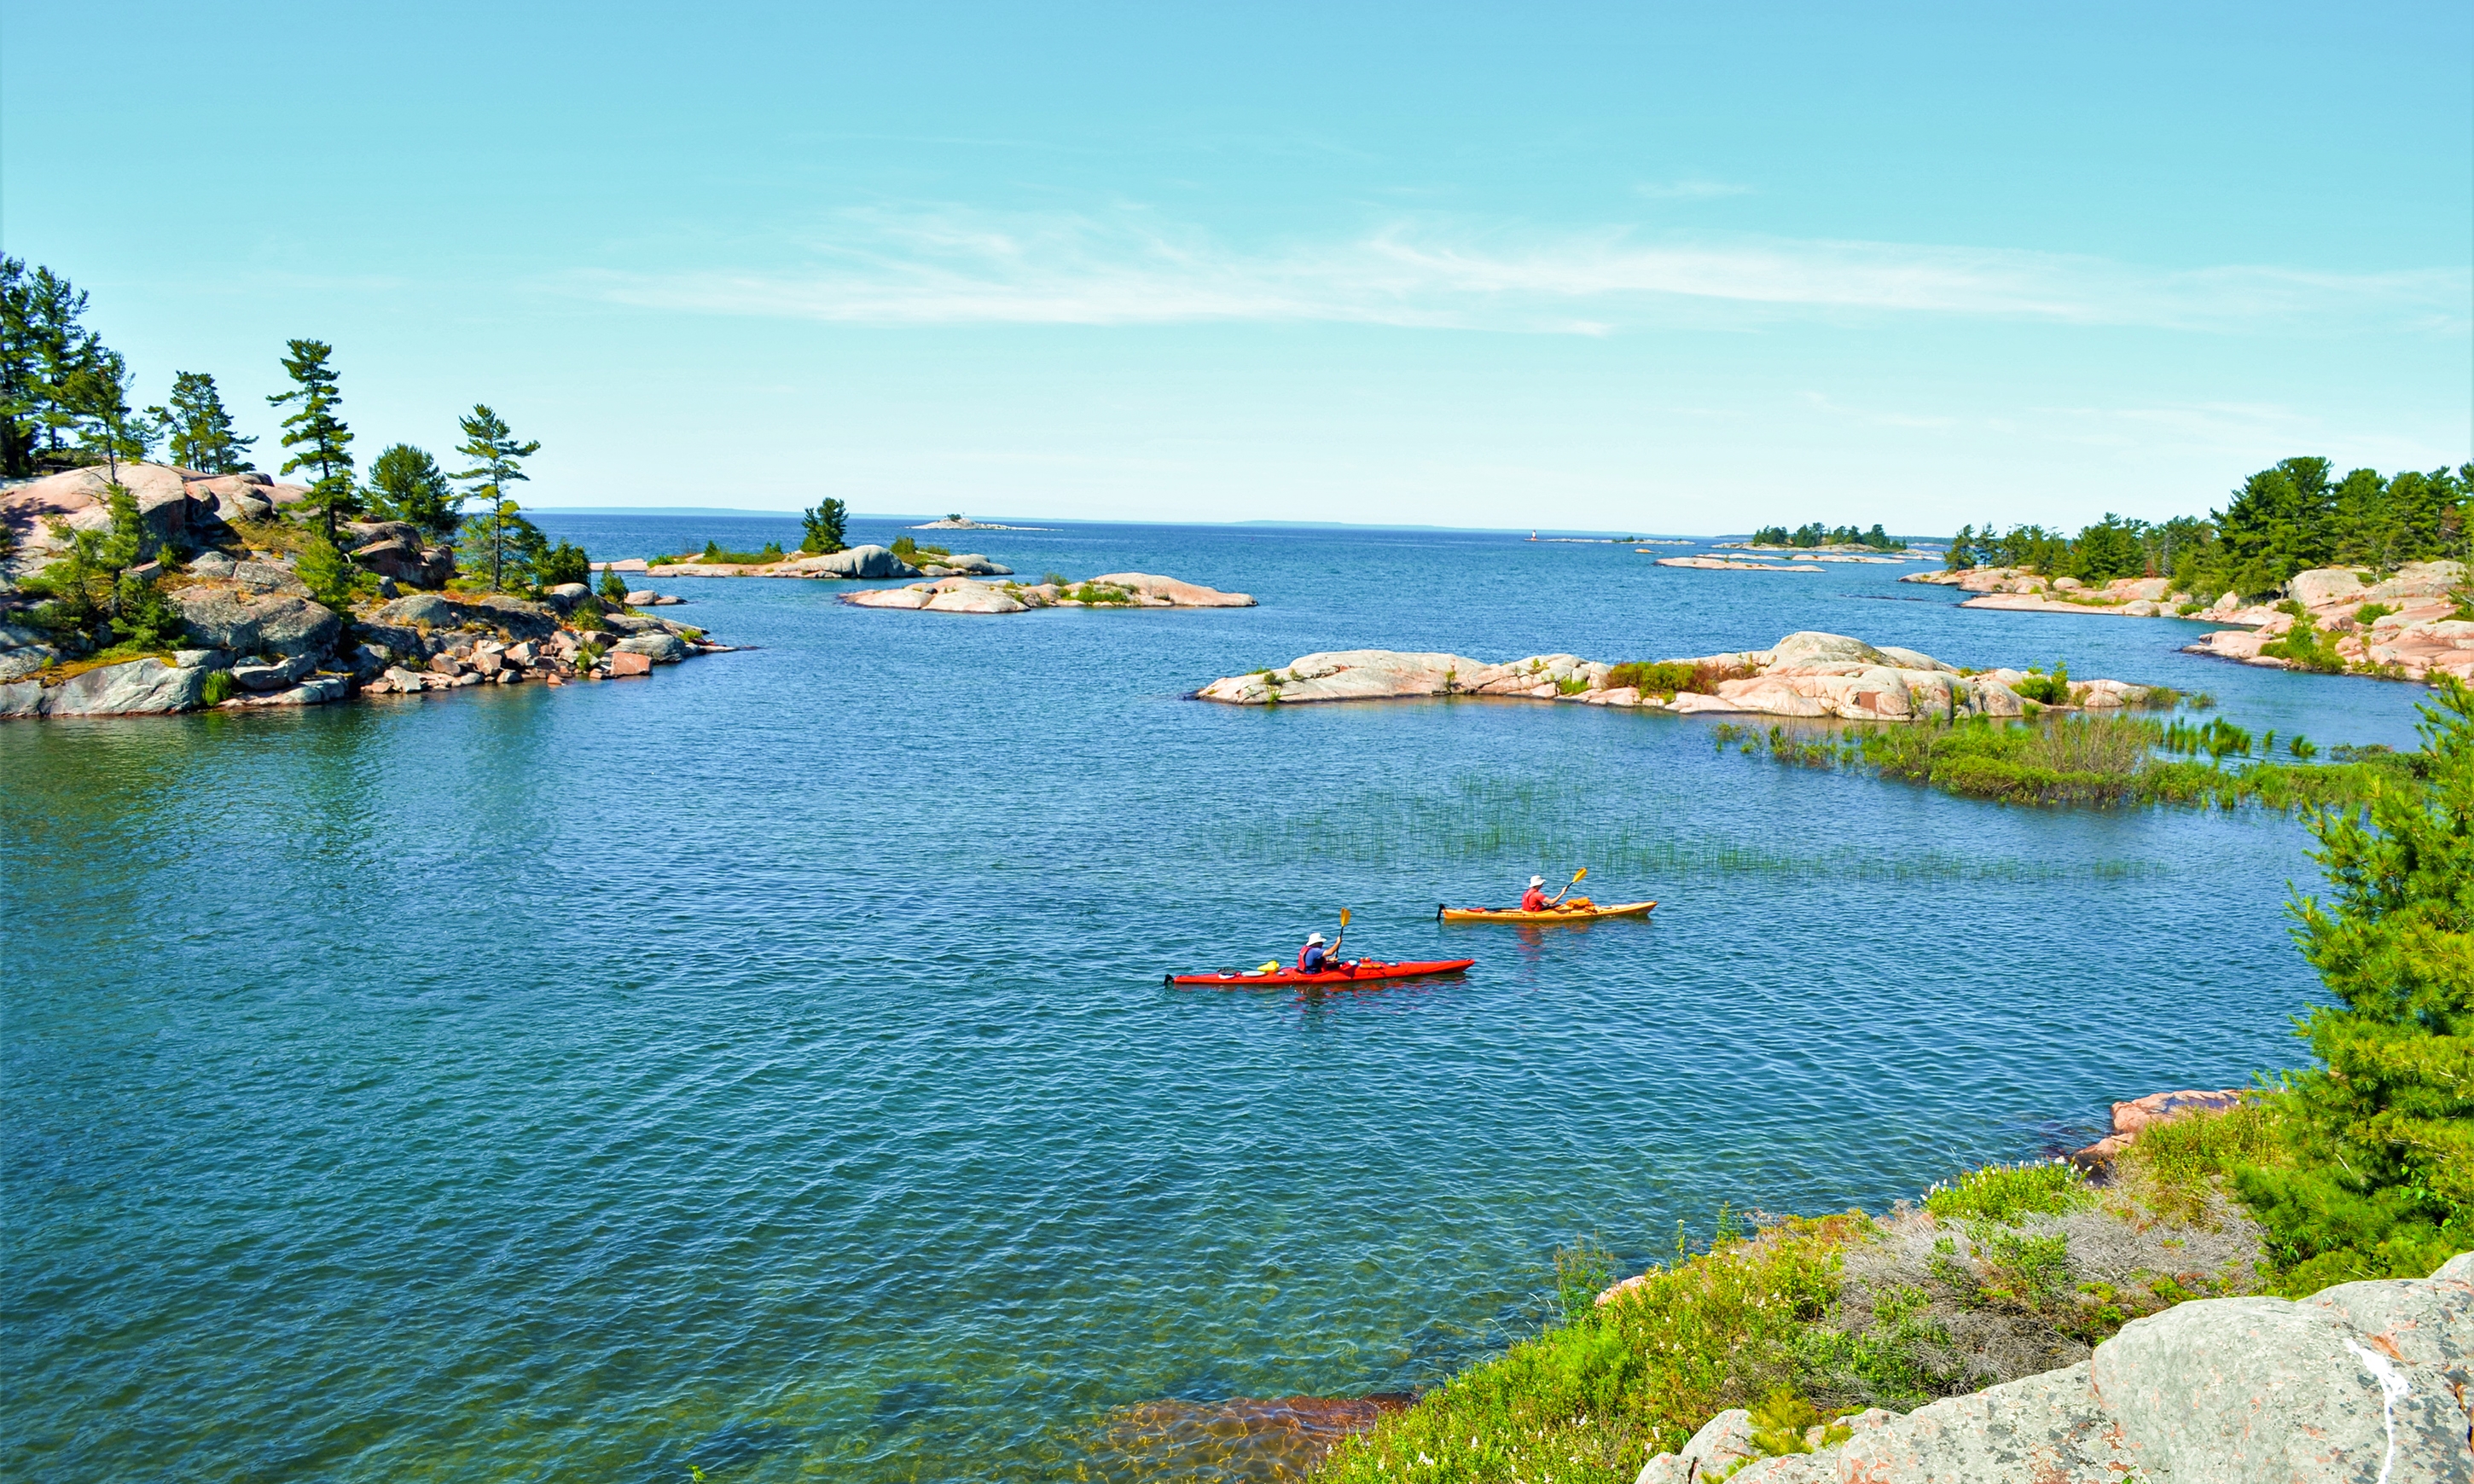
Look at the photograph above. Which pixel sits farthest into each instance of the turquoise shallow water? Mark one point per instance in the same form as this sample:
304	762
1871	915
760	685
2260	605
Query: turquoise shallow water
766	1065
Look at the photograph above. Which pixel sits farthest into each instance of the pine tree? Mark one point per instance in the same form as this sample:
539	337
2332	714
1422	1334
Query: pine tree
411	488
498	463
324	440
96	395
197	431
2384	1129
42	347
826	525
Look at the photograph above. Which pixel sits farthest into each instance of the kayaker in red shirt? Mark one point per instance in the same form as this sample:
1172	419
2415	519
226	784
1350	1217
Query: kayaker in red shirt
1536	899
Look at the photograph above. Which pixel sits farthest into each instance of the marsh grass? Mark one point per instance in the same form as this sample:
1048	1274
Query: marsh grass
2079	760
1577	817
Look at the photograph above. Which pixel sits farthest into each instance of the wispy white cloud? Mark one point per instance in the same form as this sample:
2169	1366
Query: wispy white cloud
1688	189
954	267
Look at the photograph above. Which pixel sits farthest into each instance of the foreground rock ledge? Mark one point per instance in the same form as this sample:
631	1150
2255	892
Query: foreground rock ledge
2363	1383
1113	590
1804	673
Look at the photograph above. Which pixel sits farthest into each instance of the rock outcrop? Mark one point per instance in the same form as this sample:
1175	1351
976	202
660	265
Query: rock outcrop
2133	1117
1727	564
2418	638
1804	675
2363	1384
267	620
856	562
1115	590
140	687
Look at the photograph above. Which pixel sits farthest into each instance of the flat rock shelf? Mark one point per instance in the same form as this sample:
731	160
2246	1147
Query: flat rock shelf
1806	674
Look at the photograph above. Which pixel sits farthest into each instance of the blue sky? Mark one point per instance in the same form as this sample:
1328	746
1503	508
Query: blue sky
1505	265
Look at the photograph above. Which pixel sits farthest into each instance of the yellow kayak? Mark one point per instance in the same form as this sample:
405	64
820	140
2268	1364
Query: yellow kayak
1580	911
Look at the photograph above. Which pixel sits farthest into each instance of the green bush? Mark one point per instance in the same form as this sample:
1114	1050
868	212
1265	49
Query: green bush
713	554
2053	689
219	687
564	563
2380	1133
2303	646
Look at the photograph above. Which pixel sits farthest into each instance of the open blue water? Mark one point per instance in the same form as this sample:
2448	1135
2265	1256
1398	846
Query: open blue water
766	1067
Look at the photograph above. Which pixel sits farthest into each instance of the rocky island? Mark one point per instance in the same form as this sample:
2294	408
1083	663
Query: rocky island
1804	675
241	627
1111	589
2408	624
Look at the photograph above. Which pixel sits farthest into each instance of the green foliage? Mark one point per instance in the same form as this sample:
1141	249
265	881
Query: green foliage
219	687
2005	1192
1779	1420
1053	580
1595	1397
96	394
587	613
142	618
906	549
613	590
1582	1271
2303	646
2083	760
2108	549
2178	1166
2370	613
2382	1132
713	552
329	575
2024	1271
42	347
1666	677
323	441
563	562
825	526
1815	534
197	430
2053	689
499	538
408	486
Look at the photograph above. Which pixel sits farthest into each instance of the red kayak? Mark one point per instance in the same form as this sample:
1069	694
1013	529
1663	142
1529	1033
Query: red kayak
1365	970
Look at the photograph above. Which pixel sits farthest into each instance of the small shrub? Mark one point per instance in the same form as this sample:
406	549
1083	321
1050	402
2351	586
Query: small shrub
2006	1192
2053	689
219	687
2026	1272
1054	579
1582	1271
2370	613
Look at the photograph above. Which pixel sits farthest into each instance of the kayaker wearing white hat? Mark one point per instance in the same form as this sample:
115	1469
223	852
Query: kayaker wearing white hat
1536	899
1314	958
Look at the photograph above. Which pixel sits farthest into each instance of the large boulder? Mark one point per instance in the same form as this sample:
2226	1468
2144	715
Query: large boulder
1807	648
278	623
658	648
2362	1383
140	687
859	562
523	619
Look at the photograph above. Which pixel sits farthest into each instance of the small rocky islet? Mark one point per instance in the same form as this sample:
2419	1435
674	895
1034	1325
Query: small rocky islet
253	620
1806	674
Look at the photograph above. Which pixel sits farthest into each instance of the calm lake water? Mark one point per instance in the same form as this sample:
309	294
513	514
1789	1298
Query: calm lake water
766	1065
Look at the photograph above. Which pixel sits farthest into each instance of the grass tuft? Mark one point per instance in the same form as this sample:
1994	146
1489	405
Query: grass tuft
2006	1192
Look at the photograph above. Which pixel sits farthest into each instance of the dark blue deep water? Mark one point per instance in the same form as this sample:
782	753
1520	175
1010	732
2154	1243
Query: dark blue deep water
764	1065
